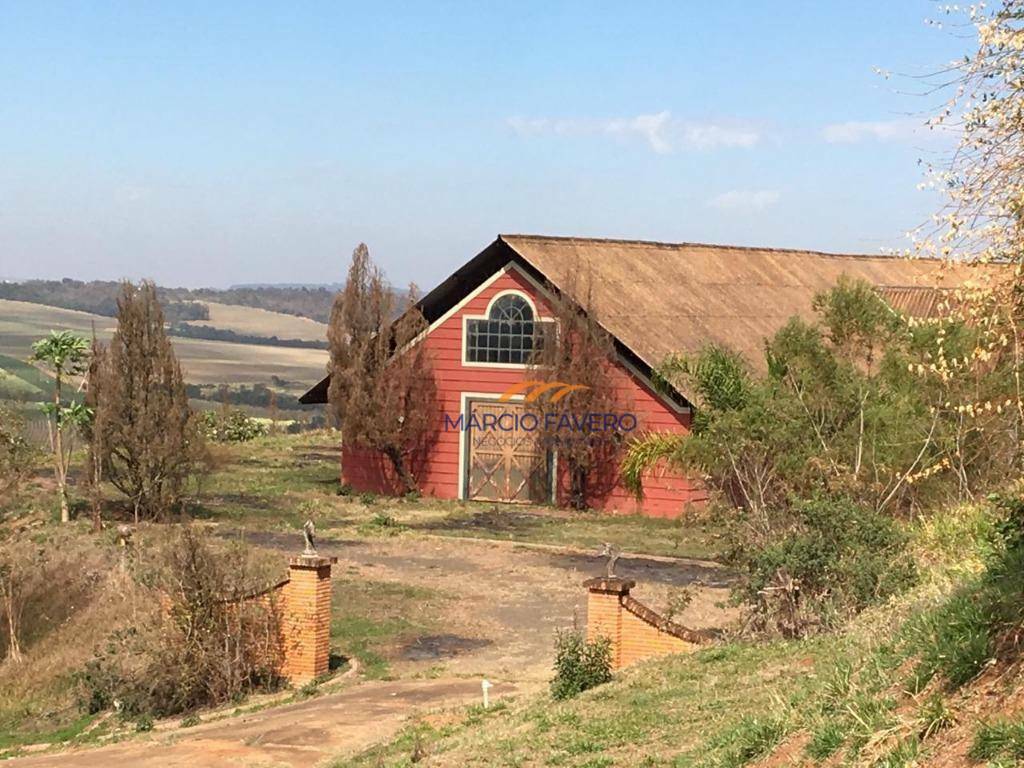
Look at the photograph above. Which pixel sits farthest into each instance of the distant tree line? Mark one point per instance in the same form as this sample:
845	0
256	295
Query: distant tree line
179	304
190	331
98	297
254	395
314	303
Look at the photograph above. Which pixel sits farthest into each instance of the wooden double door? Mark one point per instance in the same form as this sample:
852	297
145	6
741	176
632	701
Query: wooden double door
505	461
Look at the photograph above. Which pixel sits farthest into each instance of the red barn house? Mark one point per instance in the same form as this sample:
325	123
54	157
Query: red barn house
653	298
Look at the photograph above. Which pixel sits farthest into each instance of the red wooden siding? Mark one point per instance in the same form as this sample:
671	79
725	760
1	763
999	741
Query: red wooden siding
666	493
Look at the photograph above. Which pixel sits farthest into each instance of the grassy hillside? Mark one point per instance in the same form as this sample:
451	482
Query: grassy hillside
204	362
933	679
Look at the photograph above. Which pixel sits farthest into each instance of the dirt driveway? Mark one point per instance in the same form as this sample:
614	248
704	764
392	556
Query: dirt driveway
508	599
504	602
309	733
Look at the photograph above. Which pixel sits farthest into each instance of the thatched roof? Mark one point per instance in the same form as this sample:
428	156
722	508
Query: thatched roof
661	298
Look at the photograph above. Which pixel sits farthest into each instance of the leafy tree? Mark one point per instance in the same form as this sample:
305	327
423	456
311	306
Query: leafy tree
382	388
66	355
840	410
146	440
841	422
980	224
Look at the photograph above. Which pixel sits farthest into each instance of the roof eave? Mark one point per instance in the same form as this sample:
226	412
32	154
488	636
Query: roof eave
466	278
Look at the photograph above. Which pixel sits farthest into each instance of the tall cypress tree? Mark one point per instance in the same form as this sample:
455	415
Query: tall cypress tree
144	432
382	389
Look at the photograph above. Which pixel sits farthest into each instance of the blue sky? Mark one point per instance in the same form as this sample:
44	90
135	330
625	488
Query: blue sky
215	143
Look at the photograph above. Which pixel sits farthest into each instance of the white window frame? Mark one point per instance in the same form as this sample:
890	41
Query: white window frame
537	318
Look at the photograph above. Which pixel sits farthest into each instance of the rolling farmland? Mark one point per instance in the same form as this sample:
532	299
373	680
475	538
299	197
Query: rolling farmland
204	362
261	322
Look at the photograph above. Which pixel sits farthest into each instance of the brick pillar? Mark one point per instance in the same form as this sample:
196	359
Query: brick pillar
604	611
306	624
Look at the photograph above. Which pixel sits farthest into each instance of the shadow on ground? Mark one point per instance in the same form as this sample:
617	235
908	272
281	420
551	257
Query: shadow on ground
644	570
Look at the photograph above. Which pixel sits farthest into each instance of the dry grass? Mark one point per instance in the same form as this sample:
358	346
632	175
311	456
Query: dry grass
75	594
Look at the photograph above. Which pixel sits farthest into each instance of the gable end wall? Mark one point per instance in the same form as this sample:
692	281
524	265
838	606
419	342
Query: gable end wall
666	493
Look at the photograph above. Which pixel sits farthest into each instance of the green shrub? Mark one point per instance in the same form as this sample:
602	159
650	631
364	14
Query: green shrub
381	523
957	539
837	559
235	426
308	690
901	756
580	664
934	715
17	458
954	641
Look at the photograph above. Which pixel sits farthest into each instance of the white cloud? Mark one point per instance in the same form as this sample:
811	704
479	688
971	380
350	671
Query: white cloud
745	199
661	132
855	131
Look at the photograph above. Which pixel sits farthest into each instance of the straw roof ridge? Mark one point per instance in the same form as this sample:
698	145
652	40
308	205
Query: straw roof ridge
569	240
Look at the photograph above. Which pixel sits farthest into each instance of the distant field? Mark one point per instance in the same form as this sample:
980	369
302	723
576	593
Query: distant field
260	322
21	381
204	362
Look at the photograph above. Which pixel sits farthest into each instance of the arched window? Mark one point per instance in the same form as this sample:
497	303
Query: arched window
507	335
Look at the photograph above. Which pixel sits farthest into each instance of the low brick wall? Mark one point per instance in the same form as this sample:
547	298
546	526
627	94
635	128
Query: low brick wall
303	606
635	631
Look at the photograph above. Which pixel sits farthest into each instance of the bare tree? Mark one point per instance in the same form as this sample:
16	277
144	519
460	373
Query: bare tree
94	458
11	607
143	430
382	388
579	352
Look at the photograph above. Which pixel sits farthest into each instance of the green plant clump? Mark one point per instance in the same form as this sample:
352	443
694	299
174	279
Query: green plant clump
233	427
1004	739
580	664
837	558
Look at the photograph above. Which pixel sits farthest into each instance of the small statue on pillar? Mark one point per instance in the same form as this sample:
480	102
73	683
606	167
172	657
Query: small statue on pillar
612	553
307	534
